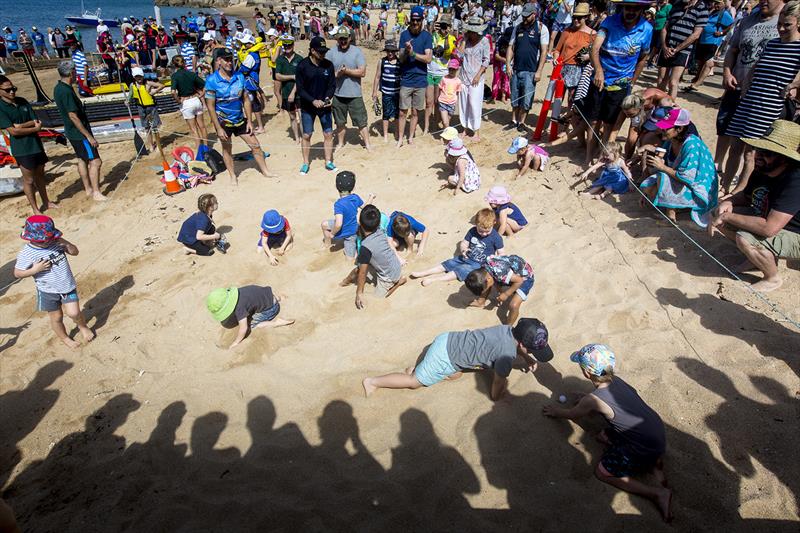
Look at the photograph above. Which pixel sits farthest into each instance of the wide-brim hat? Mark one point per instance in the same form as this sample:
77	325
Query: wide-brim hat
581	10
221	302
40	229
272	222
391	46
456	147
474	24
497	195
449	133
532	334
783	137
446	20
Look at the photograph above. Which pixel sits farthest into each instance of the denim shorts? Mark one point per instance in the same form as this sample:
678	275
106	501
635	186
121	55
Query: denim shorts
522	89
436	364
265	315
525	289
460	267
447	108
49	301
325	120
391	106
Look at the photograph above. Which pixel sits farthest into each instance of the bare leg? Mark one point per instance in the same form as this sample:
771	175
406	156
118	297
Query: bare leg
57	323
83	172
513	310
385	131
701	76
94	179
73	310
763	260
395	380
674	79
305	144
29	188
275	323
201	129
400	283
258	154
449	276
365	137
327	142
412	126
401	126
438	269
660	495
295	126
41	185
227	156
429	101
340	133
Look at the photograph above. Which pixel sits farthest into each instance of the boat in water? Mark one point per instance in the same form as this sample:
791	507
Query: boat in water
90	19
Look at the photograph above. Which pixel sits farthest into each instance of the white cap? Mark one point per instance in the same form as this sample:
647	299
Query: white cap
239	36
137	71
207	37
272	32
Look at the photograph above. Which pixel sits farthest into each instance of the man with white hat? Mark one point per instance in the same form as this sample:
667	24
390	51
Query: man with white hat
250	68
525	59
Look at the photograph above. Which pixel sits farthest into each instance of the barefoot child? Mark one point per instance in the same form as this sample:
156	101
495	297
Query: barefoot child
344	224
142	93
615	176
375	252
449	87
198	234
529	156
250	307
275	233
45	258
510	219
514	279
480	242
403	230
635	437
466	175
387	81
498	348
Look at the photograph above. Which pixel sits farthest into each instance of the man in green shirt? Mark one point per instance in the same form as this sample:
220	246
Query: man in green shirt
285	67
17	118
659	21
78	131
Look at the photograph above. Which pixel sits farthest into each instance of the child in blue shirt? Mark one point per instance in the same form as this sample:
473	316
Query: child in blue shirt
275	233
403	230
479	243
198	234
510	219
343	226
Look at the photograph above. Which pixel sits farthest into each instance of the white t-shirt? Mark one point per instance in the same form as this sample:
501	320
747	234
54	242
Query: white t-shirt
58	279
564	14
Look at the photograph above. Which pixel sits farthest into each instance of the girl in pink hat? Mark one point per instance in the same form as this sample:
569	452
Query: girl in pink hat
466	175
510	219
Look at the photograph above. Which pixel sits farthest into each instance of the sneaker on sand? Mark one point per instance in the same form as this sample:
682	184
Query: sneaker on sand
304	169
330	166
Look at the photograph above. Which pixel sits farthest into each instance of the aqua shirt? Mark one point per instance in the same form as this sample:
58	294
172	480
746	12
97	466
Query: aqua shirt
228	97
622	48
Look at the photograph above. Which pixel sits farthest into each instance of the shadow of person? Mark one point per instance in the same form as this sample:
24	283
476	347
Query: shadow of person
63	491
428	480
443	170
100	305
7	278
751	430
22	410
13	335
206	432
770	338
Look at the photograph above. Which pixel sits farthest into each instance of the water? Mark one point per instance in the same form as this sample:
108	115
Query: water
50	14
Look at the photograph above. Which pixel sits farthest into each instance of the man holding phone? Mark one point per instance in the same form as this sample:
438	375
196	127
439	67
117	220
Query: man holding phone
315	79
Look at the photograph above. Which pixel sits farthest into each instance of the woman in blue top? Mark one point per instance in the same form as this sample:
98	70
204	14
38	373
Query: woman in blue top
686	178
510	219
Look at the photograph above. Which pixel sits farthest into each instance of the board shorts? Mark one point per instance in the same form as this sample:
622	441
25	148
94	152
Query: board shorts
681	59
704	52
30	162
727	107
307	120
148	118
785	244
191	108
84	150
460	267
621	461
524	289
265	315
412	98
447	108
235	129
602	105
523	87
350	248
354	107
435	365
434	80
391	106
571	75
50	301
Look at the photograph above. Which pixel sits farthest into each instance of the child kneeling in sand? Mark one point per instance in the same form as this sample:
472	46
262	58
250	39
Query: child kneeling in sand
45	258
615	176
529	156
510	219
198	234
250	307
275	233
479	243
498	348
403	230
635	437
344	224
513	276
375	252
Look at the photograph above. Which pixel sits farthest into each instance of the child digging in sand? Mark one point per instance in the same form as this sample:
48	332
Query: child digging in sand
250	307
375	252
498	348
529	156
45	258
344	224
404	230
510	219
514	279
198	234
635	437
615	176
275	234
480	242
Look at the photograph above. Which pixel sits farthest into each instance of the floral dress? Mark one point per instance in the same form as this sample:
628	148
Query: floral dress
472	176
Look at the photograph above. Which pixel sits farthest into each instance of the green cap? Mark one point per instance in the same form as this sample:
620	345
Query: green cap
221	302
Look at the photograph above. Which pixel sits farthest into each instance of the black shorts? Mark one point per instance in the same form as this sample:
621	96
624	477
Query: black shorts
681	59
602	105
84	150
30	162
727	107
201	248
237	130
286	105
273	75
704	52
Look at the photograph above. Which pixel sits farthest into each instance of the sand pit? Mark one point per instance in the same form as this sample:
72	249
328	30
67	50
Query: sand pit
155	427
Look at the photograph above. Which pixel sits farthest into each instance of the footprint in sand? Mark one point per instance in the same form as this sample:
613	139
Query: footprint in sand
262	343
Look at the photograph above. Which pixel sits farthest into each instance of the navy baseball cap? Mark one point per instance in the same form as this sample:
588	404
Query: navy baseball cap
318	44
417	12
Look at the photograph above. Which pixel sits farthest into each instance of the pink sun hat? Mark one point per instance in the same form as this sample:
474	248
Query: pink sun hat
456	147
498	195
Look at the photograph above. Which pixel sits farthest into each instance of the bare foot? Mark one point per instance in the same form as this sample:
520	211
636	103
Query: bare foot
87	334
400	283
664	502
270	175
426	282
71	343
258	131
767	285
399	142
369	388
52	205
98	197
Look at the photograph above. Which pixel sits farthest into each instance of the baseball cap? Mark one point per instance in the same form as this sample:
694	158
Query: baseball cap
417	12
222	52
342	33
596	359
676	117
345	180
529	9
658	114
137	71
517	144
532	334
318	44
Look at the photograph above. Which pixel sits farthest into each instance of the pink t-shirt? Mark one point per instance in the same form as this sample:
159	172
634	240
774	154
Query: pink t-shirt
449	89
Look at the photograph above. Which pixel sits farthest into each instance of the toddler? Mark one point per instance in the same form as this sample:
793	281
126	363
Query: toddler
275	233
510	219
45	258
198	234
449	87
479	243
532	157
249	307
403	230
514	277
615	176
387	81
466	175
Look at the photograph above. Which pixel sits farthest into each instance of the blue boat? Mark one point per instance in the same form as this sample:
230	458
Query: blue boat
90	19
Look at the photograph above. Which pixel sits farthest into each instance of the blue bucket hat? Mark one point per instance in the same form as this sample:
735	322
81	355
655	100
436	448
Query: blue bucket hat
517	144
272	222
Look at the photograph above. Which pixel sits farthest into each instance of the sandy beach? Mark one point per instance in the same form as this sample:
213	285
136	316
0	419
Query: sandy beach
156	426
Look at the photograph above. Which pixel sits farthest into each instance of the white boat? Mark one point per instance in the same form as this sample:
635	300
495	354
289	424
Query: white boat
90	19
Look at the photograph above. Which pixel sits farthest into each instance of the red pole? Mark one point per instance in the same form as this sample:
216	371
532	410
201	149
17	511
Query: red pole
555	76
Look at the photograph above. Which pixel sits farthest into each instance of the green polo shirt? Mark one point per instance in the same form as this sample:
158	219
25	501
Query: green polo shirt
288	68
186	83
67	101
20	112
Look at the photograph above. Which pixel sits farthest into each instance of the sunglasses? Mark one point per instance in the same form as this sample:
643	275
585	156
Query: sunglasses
11	89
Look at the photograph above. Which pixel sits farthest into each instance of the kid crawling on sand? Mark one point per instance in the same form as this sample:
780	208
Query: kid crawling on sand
45	258
513	277
403	231
249	307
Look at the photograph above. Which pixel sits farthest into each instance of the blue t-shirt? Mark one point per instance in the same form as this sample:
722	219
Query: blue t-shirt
515	215
482	247
414	73
347	206
716	22
416	227
228	94
38	38
11	41
622	48
197	222
355	12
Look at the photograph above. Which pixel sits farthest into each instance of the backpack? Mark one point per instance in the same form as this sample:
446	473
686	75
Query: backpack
214	161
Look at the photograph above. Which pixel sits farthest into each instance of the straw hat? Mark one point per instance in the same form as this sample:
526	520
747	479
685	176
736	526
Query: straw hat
783	137
581	10
474	24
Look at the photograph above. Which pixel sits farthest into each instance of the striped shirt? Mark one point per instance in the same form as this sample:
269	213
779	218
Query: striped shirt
390	78
188	53
80	63
229	43
682	21
58	279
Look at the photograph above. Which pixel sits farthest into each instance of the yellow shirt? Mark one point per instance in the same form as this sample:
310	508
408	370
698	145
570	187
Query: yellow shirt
401	18
141	95
273	53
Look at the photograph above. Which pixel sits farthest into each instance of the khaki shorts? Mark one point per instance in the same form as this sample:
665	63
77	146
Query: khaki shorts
412	98
785	244
349	106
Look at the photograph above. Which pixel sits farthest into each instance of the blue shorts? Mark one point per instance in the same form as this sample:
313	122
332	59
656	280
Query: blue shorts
460	266
265	315
436	365
620	461
50	301
325	120
522	89
525	289
391	106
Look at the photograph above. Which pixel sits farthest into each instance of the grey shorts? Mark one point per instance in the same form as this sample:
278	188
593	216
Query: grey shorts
785	244
49	301
412	98
148	118
350	249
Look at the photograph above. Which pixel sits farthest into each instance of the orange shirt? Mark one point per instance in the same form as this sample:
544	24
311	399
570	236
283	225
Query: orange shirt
571	43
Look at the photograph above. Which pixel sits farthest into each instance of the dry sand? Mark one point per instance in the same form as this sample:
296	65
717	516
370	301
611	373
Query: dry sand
154	427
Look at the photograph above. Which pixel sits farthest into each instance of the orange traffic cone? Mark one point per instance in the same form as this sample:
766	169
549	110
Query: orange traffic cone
172	185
